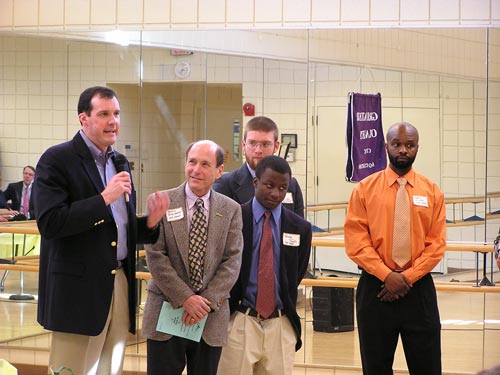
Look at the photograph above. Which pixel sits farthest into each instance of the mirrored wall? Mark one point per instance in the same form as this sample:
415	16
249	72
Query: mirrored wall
179	86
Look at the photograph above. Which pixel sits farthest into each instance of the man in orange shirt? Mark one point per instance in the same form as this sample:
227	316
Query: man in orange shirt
397	298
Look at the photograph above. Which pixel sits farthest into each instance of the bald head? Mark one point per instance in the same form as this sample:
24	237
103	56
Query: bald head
204	164
399	128
217	150
402	146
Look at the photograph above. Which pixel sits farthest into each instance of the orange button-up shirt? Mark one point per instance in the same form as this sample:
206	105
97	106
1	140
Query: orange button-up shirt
369	224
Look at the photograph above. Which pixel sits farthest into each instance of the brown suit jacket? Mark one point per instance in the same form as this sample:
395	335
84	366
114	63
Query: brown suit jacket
169	266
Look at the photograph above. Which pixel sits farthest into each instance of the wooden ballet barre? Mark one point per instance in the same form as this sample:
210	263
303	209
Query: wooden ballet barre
332	232
327	242
450	246
335	231
143	275
462	223
464	200
19	267
331	282
337	282
324	242
475	199
326	207
452	200
27	258
352	282
475	247
347	282
19	227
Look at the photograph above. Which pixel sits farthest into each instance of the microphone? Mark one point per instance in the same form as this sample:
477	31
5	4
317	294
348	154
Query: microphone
120	165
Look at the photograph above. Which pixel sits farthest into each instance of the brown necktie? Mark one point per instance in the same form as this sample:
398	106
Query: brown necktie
197	246
265	281
401	238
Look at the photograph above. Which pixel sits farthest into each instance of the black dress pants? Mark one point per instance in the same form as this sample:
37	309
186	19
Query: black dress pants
171	356
415	317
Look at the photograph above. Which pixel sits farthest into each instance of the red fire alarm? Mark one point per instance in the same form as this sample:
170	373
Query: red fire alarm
249	109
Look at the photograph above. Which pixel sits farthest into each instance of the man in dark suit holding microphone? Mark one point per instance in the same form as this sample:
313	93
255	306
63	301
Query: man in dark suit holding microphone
85	209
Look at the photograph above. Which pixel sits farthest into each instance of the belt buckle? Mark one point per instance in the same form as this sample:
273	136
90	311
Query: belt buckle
274	314
257	316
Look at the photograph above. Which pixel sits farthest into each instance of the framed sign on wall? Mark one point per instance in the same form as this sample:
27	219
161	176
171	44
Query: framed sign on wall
289	139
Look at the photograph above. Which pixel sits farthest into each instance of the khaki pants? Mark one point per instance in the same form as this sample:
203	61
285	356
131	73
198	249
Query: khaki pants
102	354
260	347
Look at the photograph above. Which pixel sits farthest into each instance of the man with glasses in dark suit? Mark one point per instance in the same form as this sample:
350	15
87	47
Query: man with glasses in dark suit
260	139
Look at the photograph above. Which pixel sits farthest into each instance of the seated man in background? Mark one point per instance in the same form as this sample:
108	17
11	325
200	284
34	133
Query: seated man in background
19	193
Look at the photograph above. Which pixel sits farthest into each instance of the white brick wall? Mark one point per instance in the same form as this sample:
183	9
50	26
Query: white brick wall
204	14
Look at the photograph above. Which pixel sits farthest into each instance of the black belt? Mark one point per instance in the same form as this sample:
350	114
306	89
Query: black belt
120	265
253	313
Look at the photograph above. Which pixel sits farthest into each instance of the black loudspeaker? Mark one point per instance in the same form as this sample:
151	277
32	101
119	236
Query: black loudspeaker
333	309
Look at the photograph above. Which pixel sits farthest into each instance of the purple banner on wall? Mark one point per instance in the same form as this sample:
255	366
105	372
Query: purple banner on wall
365	138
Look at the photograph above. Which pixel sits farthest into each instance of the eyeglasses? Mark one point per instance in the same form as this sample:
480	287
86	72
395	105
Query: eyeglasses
263	145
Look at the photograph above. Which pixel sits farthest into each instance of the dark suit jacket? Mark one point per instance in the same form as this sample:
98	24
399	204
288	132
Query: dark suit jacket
78	245
293	263
13	193
169	265
238	185
3	201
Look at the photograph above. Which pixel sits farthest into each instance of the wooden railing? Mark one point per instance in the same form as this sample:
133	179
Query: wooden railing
30	263
457	204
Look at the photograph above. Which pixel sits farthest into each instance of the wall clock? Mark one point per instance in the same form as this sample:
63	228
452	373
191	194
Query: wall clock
182	69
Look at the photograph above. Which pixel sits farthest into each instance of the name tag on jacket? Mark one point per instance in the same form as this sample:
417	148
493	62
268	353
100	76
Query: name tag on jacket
175	214
290	239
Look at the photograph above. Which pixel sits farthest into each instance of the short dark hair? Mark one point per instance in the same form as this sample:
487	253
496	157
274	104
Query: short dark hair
263	124
85	101
275	163
219	152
